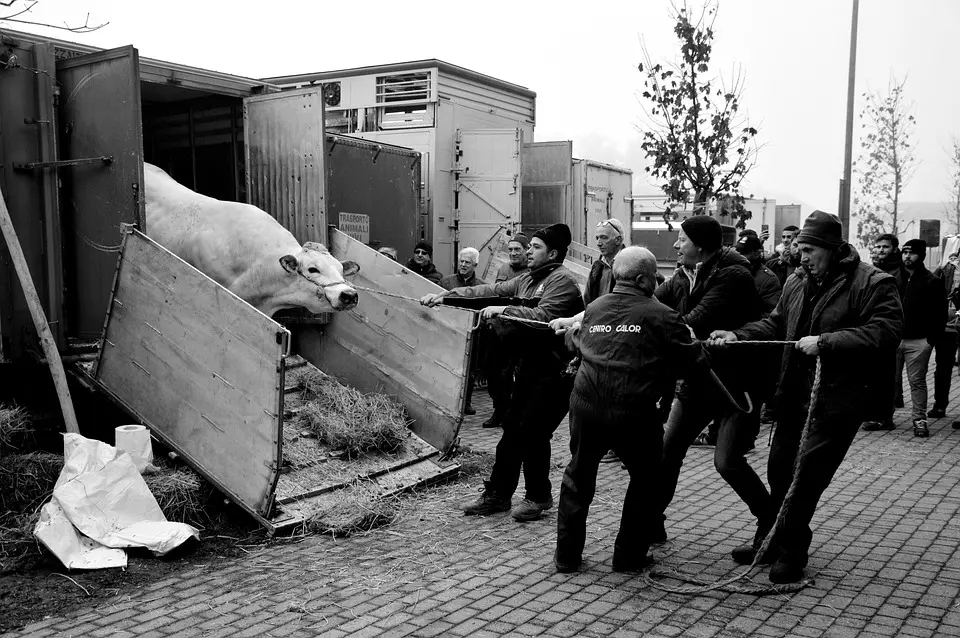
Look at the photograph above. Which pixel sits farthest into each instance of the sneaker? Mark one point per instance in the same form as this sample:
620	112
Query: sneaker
493	422
784	572
488	503
621	565
704	440
565	566
528	510
937	413
920	428
609	457
873	426
469	410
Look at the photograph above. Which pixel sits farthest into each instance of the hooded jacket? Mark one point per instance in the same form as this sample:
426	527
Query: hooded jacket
558	296
428	272
856	311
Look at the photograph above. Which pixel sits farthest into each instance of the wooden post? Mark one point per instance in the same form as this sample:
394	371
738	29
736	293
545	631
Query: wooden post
39	318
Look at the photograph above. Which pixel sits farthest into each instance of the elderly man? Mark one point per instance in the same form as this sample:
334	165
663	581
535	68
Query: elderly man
422	262
609	237
466	270
849	314
541	394
516	258
632	347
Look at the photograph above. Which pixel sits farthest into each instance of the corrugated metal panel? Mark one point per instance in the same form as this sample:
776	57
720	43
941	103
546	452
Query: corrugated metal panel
471	93
284	138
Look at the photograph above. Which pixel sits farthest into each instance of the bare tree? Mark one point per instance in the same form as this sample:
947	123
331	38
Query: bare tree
28	6
887	161
700	146
952	206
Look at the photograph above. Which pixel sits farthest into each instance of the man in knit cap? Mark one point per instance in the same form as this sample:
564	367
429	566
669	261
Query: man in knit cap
422	262
516	258
541	395
848	314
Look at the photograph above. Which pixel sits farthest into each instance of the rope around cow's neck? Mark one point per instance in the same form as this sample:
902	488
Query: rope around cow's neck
699	585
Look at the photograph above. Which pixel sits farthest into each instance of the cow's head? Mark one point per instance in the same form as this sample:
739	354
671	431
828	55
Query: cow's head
319	279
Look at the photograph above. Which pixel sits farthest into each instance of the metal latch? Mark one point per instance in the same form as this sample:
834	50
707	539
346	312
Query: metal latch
105	159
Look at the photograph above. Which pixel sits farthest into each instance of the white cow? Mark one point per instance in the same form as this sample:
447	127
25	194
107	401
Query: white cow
244	249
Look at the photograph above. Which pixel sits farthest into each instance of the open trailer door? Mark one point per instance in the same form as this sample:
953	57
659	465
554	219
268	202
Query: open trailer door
101	168
487	188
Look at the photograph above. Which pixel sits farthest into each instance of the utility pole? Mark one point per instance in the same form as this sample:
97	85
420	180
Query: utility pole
848	149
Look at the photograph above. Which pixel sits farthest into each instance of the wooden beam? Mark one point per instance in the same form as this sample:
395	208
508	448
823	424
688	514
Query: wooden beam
39	318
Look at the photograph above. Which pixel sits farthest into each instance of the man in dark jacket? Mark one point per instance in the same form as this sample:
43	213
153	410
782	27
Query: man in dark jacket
631	347
886	253
466	274
609	238
849	314
516	258
422	262
712	290
924	301
542	390
784	263
945	350
768	286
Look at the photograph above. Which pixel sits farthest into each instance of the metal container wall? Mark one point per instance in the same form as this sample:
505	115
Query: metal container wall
373	192
284	138
547	175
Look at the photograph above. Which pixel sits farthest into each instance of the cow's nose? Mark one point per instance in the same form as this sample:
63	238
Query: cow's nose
349	297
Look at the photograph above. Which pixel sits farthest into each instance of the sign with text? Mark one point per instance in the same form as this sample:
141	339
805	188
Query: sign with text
355	225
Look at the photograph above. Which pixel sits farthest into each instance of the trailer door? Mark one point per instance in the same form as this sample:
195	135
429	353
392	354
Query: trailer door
101	168
487	195
284	141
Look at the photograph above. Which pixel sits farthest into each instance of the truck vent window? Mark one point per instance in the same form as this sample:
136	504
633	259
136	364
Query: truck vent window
404	87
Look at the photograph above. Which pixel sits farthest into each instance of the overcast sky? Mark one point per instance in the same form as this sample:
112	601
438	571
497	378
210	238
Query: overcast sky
581	57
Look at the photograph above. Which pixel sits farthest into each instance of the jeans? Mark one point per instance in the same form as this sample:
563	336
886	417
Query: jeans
636	439
945	356
539	403
915	354
827	443
498	366
735	433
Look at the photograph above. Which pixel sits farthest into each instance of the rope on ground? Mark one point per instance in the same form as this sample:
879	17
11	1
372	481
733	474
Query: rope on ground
732	583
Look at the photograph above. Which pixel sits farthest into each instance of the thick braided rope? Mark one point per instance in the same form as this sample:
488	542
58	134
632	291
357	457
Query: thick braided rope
731	584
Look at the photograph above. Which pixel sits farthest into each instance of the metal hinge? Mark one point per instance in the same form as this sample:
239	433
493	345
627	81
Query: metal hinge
105	159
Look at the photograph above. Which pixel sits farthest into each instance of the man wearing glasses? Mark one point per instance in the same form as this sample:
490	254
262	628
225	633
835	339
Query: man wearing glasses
422	262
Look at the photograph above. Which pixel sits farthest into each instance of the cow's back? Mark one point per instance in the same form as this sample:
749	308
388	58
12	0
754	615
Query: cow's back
221	239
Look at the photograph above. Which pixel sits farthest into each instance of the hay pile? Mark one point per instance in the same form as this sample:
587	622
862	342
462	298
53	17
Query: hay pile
14	428
345	419
357	509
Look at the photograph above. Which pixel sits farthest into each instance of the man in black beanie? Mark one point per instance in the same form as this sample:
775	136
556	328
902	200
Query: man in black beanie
541	393
422	262
848	314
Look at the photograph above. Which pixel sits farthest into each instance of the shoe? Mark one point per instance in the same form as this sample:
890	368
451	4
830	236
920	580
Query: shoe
528	510
469	411
488	503
565	566
920	428
873	426
621	565
704	440
937	413
492	422
609	457
783	572
745	554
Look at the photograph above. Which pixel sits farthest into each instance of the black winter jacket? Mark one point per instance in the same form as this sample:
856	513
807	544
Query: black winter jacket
632	348
857	313
924	302
429	272
594	288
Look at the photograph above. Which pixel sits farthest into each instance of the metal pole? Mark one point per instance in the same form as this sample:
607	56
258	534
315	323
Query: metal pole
848	150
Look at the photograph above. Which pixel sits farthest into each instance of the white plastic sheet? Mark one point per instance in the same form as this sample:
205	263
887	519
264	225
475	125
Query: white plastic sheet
101	502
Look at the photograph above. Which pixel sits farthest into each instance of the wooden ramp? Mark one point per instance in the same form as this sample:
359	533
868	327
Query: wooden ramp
205	372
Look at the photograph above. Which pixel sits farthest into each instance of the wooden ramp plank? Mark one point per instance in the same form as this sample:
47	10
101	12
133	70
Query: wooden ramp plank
199	366
395	346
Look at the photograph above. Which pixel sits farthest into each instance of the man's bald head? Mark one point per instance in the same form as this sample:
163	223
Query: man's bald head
636	263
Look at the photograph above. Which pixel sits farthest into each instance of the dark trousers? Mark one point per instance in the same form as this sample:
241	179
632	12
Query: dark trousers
688	418
636	439
498	367
826	445
539	403
945	356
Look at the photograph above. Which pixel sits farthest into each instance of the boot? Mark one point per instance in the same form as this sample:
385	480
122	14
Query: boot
745	554
488	503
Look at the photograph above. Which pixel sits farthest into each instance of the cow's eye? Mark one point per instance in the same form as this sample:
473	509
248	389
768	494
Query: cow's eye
313	270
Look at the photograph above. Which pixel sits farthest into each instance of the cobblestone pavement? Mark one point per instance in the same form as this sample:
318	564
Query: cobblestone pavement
885	559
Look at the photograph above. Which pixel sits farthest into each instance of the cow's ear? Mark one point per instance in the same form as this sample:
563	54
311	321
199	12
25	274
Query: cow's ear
289	263
350	268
